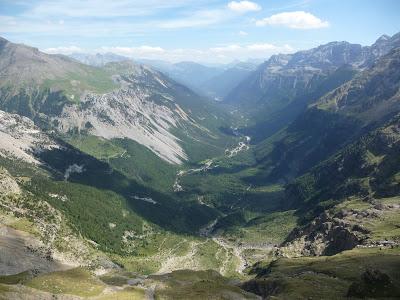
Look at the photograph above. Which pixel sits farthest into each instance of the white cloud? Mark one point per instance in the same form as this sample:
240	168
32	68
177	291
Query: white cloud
142	51
63	50
268	47
104	8
99	27
7	21
243	52
295	20
261	47
242	33
226	49
243	6
196	19
119	18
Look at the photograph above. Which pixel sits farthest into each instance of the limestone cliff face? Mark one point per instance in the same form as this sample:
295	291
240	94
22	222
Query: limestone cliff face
129	113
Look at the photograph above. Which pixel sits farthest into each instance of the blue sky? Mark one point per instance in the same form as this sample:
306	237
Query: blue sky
199	30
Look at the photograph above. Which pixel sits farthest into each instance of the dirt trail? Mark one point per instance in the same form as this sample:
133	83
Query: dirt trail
236	251
150	292
187	261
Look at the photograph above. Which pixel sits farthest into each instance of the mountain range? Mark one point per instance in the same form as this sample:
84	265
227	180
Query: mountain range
213	81
126	179
284	85
98	59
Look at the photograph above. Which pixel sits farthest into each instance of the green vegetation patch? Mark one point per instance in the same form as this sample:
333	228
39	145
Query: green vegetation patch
381	217
186	284
101	215
4	289
16	278
77	282
326	277
130	158
272	228
385	226
23	224
91	79
98	147
116	279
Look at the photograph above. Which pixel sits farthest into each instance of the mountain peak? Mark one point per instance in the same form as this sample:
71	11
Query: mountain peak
3	42
383	38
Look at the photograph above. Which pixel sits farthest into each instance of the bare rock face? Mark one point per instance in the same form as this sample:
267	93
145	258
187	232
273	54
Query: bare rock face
340	239
326	235
20	138
143	109
129	113
19	253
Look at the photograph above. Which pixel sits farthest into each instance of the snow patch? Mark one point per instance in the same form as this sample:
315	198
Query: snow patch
73	169
146	199
59	197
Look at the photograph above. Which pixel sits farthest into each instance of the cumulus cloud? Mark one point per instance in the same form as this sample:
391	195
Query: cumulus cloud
243	6
242	33
295	20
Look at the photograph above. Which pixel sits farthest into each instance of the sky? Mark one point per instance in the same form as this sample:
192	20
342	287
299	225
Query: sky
207	31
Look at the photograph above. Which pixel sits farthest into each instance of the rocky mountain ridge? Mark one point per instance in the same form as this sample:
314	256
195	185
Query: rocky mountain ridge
285	77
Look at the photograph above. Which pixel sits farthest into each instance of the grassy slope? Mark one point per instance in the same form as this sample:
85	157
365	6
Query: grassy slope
326	277
367	167
176	285
50	95
77	282
132	159
198	285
